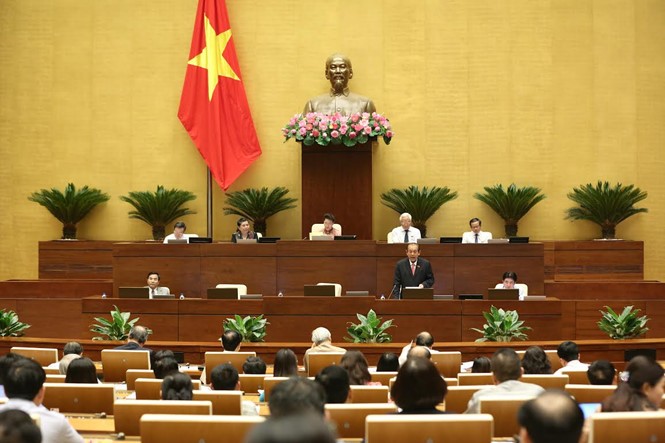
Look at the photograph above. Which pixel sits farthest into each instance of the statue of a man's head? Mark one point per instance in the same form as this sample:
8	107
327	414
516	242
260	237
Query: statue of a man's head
338	71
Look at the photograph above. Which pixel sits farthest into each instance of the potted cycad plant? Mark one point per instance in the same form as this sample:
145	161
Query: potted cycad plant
257	205
420	203
623	326
502	326
511	204
159	208
605	205
370	329
250	328
70	206
10	326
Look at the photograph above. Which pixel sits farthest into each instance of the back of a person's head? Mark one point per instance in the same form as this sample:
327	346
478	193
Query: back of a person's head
6	362
163	353
17	426
285	364
81	370
297	396
388	362
419	352
24	379
320	335
72	348
305	428
425	339
506	365
254	365
568	351
177	386
535	361
481	365
418	386
224	377
601	372
165	366
335	382
552	417
139	333
356	365
231	340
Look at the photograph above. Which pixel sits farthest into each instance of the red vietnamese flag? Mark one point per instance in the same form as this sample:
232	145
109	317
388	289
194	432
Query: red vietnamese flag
213	105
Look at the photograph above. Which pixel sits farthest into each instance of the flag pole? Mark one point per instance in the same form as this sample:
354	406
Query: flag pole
209	204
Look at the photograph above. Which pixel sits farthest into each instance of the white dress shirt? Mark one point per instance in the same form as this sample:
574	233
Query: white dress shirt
509	388
184	237
397	235
54	426
159	290
470	237
573	365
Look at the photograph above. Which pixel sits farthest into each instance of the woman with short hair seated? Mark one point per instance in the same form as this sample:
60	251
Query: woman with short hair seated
177	387
419	387
535	361
641	388
243	232
356	365
328	226
81	370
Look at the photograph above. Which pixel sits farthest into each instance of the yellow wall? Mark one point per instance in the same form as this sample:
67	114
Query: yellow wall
546	93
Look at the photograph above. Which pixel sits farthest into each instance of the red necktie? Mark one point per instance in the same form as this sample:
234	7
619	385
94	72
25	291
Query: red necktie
413	268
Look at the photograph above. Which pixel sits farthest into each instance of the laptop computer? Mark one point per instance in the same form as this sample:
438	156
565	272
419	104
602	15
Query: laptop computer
417	293
443	296
450	239
223	293
241	241
319	290
163	296
498	240
503	294
250	296
470	296
518	240
321	238
427	241
345	237
200	239
357	293
133	292
269	239
177	241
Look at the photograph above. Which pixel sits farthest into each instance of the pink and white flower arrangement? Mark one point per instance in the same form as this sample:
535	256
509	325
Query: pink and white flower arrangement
337	129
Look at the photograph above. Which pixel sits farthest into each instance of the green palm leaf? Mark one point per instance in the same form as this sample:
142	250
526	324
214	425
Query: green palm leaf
605	205
258	205
420	203
511	204
71	206
159	208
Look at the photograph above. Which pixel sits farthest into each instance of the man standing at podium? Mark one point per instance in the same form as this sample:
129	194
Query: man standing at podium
339	99
412	271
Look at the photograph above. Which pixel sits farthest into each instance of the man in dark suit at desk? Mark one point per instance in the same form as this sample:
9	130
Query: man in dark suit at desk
412	271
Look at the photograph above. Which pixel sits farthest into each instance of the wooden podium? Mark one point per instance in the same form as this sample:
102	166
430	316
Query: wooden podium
338	179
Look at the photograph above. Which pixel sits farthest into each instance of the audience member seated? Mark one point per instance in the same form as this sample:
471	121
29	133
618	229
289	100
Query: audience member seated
404	233
328	228
17	426
419	351
179	229
81	370
506	372
231	342
321	342
569	355
481	365
535	361
254	365
177	386
422	339
356	365
136	340
225	378
6	362
509	281
601	372
476	235
71	351
335	382
24	385
307	428
286	364
641	391
297	396
419	387
164	367
552	417
243	232
388	362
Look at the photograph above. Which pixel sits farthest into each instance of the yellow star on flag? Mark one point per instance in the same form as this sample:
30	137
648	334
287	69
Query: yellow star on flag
211	57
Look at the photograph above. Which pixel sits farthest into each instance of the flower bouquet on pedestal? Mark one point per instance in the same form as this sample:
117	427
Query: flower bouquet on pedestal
337	129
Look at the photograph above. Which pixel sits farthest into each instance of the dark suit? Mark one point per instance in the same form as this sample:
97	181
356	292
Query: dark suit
404	278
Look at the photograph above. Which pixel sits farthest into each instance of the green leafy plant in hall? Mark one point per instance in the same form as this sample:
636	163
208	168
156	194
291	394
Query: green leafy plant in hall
71	206
10	326
511	203
422	204
252	329
370	329
115	329
258	205
502	326
625	325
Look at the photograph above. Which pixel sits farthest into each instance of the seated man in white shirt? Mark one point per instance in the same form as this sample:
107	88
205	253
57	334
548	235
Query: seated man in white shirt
179	233
509	281
476	235
506	372
423	339
24	385
405	233
153	285
569	356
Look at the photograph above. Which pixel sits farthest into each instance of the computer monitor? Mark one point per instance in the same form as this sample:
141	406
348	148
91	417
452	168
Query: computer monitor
503	294
518	239
345	237
269	239
450	239
470	296
200	240
133	292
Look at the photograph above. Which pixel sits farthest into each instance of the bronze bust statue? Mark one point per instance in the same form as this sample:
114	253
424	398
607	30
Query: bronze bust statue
339	99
